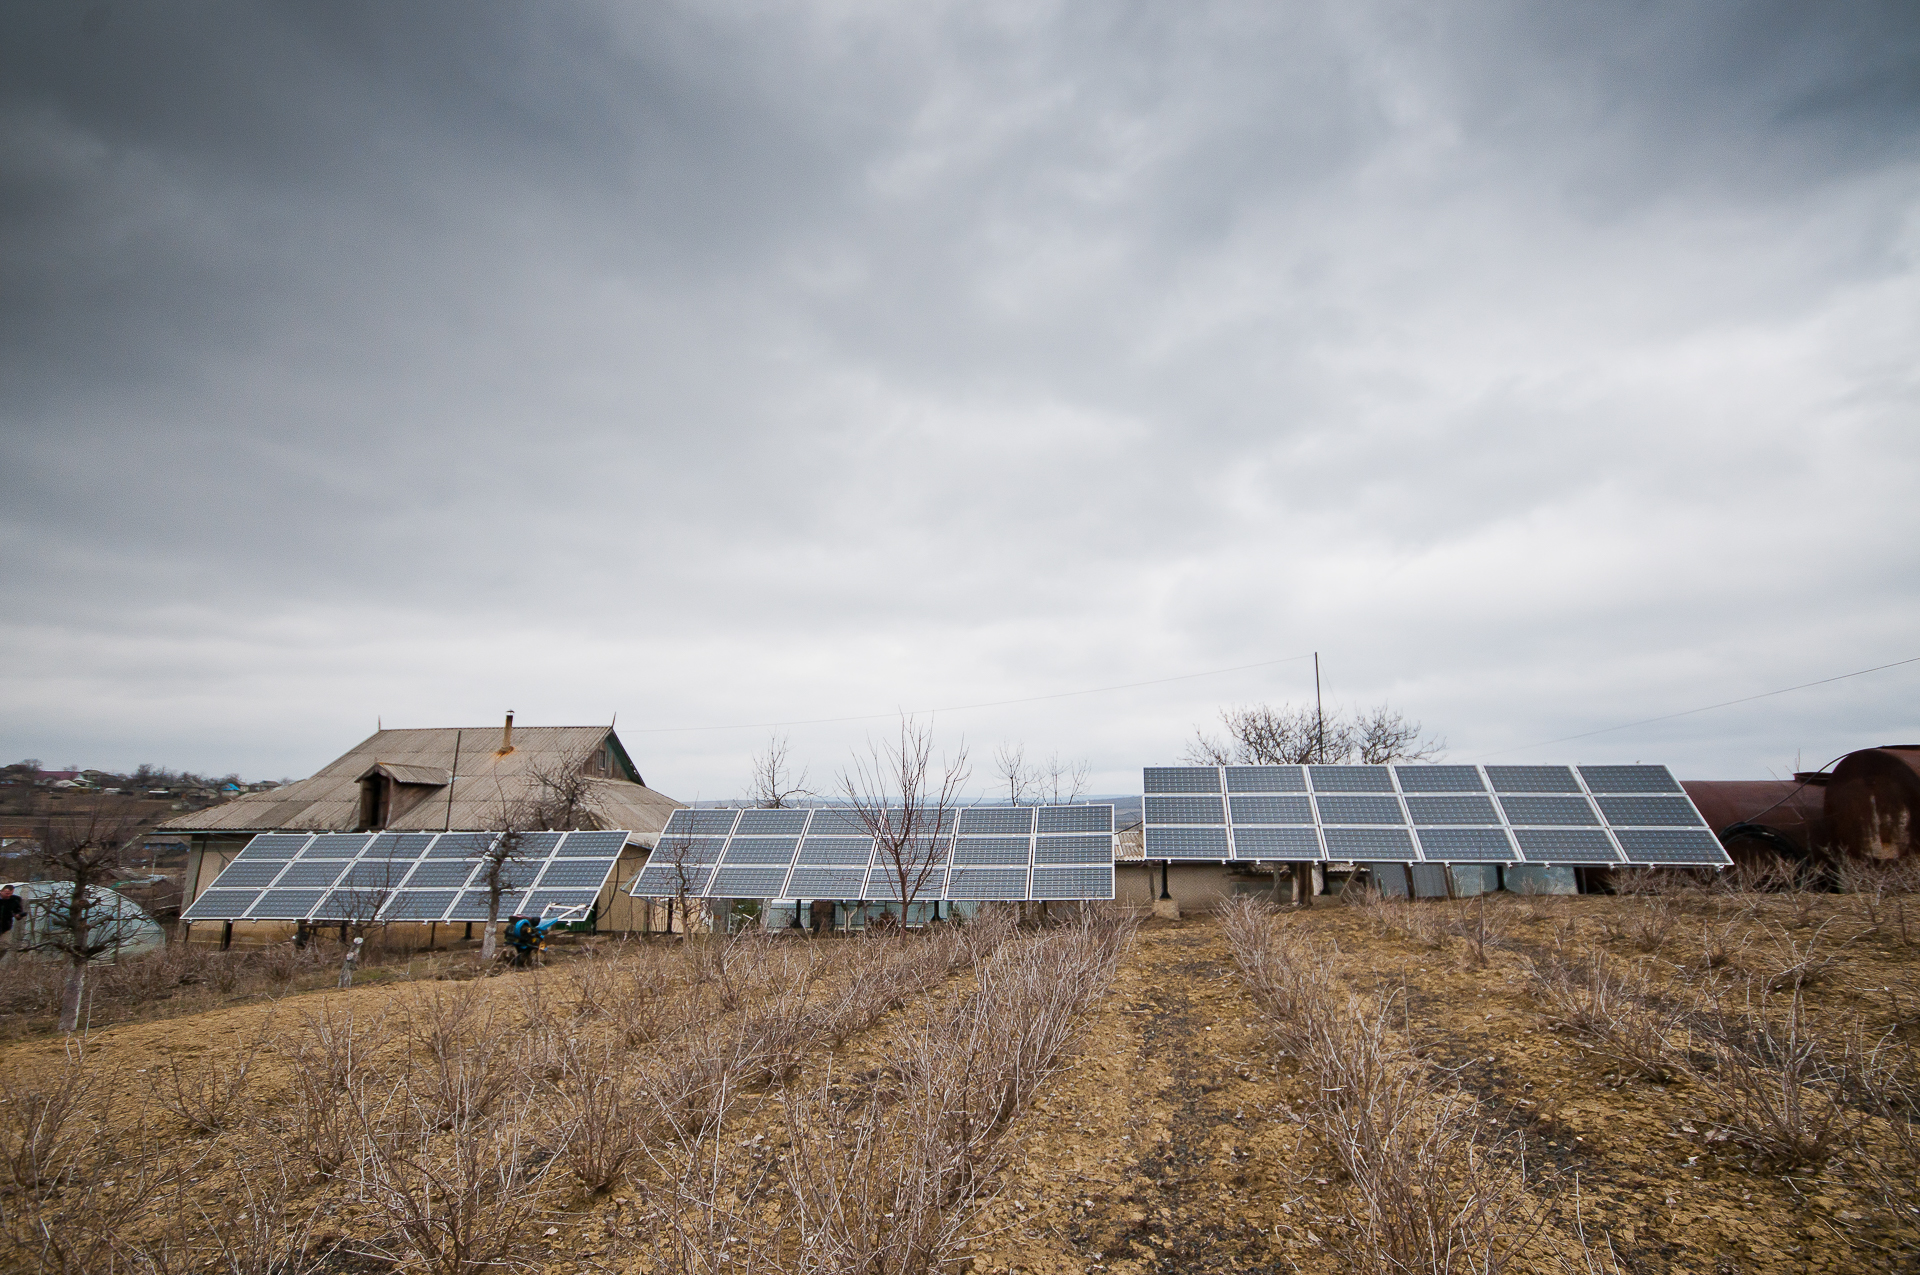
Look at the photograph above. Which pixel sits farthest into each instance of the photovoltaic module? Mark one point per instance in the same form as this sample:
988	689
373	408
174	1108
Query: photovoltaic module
404	876
977	853
1581	815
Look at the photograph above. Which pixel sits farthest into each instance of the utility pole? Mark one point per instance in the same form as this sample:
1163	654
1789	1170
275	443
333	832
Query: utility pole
1319	715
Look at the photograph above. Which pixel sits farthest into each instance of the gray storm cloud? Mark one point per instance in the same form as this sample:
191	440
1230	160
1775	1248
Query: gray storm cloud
1545	368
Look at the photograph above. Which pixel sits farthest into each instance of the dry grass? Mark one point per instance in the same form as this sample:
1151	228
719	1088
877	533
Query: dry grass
1434	1186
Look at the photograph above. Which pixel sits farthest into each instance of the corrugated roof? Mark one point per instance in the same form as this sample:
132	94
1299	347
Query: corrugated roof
470	794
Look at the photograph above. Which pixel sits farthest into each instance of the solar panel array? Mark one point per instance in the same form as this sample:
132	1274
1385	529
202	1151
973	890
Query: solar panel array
1583	815
404	876
980	853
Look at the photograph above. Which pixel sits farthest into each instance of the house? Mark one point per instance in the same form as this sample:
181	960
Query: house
458	779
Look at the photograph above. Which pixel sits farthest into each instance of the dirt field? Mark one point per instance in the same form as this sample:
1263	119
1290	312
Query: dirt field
1164	1127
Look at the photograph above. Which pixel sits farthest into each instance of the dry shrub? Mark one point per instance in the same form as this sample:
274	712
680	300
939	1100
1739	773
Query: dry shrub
884	1175
598	1124
1645	927
450	1205
1611	1012
253	1228
1481	927
1432	1186
213	1095
1803	963
1405	917
1780	1083
44	1122
473	1062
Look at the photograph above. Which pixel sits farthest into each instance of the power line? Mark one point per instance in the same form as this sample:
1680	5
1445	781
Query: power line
961	708
1745	699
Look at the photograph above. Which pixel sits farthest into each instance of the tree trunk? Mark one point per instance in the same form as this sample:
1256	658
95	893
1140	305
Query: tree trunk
75	992
76	954
493	922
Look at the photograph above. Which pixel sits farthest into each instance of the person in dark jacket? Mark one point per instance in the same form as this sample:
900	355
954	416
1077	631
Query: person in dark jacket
12	908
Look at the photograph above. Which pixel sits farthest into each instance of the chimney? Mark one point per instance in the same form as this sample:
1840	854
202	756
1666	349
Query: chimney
506	735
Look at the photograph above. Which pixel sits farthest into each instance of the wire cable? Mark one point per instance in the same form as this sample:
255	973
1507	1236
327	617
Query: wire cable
1745	699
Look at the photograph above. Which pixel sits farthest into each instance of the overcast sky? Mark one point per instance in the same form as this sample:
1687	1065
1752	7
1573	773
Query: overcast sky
1544	367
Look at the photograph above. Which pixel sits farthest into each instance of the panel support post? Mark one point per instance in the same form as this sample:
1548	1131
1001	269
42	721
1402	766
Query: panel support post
1303	884
226	936
1164	865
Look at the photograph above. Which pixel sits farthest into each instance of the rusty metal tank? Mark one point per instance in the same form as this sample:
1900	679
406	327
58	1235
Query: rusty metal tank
1873	802
1760	819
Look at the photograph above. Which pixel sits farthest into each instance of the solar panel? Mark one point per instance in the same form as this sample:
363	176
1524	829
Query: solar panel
1186	843
257	873
1073	849
1186	810
1557	811
748	883
762	850
826	883
274	845
1565	845
1439	779
398	845
1466	845
992	855
403	876
285	905
837	823
539	901
1271	810
334	846
1540	814
1672	812
1266	779
472	906
1351	778
1005	820
1281	844
1075	819
1672	846
1532	779
1348	844
1442	810
1003	850
220	905
592	845
835	850
1182	779
1091	882
452	872
461	845
1359	810
323	873
577	873
986	883
771	823
1616	779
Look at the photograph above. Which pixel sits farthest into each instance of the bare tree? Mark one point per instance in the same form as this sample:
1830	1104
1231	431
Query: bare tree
560	796
677	852
1264	735
1061	783
1052	782
774	785
906	803
1010	763
81	850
